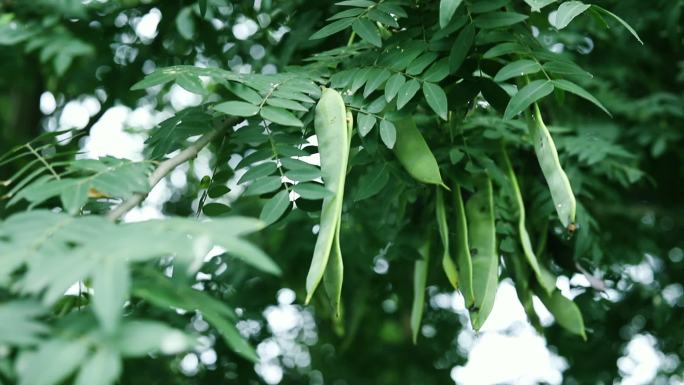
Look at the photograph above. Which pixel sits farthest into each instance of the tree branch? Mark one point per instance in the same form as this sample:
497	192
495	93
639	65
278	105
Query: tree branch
164	169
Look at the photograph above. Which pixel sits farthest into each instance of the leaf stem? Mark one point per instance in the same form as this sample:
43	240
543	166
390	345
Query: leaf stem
42	160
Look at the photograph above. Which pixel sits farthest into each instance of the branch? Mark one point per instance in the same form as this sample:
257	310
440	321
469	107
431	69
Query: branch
164	169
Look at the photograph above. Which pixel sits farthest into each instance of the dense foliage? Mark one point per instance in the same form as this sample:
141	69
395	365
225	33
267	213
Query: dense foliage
368	155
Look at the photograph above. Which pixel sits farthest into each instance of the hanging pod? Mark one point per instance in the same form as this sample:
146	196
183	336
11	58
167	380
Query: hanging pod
414	154
334	272
332	131
447	263
565	311
556	179
463	258
521	277
547	281
420	272
482	241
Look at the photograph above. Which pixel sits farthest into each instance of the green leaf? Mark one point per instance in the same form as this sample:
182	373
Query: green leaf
368	31
406	92
365	123
371	182
172	133
517	68
579	91
438	71
275	207
332	28
567	12
527	95
346	13
461	47
313	191
203	7
74	197
191	83
436	99
156	288
503	49
393	85
286	103
156	78
382	17
498	19
280	116
304	174
237	108
18	324
101	368
356	3
388	133
258	171
215	209
446	11
296	164
140	338
418	65
52	362
263	186
245	93
185	24
537	5
376	106
375	81
616	17
217	190
360	78
566	69
111	284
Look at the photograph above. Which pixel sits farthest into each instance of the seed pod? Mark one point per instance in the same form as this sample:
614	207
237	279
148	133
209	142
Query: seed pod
521	277
414	154
334	272
420	271
556	179
447	263
482	241
547	281
565	311
330	124
463	258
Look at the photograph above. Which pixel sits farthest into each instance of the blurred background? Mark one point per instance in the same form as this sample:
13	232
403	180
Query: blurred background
69	64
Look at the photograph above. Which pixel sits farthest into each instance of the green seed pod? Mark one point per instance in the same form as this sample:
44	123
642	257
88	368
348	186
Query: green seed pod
420	272
565	311
415	155
463	258
447	263
482	241
547	281
332	131
556	179
334	272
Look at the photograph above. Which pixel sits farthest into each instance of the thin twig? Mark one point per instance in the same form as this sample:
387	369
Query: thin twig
164	169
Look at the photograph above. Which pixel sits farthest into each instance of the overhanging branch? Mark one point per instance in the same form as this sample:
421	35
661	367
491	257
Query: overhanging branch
165	168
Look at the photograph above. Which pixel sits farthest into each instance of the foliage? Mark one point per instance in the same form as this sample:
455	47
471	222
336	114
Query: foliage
527	141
